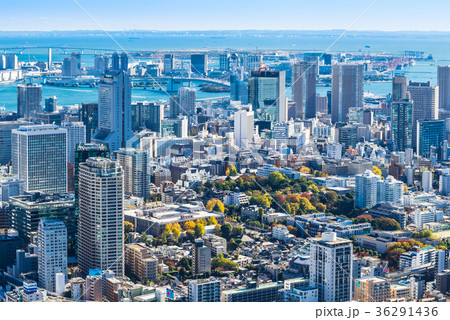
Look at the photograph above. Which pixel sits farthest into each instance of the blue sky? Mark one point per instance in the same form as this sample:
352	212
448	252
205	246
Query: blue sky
389	15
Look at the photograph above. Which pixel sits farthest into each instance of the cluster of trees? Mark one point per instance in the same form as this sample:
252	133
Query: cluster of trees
422	234
384	224
215	205
220	263
395	250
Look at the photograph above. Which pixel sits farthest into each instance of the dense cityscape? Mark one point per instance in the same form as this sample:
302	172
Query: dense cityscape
286	181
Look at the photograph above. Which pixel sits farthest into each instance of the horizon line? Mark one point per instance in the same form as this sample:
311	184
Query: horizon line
228	30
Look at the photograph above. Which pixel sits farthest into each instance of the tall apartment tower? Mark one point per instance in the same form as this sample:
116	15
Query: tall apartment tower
201	257
39	157
331	266
52	252
304	76
29	100
347	90
100	220
267	95
76	133
244	128
366	189
183	103
443	81
136	176
114	109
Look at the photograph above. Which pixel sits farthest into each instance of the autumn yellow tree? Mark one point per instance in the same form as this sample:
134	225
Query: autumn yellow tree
376	170
168	228
189	225
215	205
211	221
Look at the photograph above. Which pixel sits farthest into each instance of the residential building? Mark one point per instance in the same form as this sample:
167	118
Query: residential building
139	262
244	128
204	290
331	264
201	257
52	252
372	289
100	202
136	175
366	189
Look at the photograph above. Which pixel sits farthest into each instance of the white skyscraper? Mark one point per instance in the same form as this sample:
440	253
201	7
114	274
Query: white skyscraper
243	128
76	133
39	157
114	110
331	266
366	189
100	221
389	190
187	97
427	181
334	150
52	252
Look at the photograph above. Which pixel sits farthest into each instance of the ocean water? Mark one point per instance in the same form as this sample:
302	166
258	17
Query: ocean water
33	47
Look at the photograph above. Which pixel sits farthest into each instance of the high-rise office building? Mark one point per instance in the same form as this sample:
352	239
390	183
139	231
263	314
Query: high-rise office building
238	87
100	221
39	157
402	115
425	98
304	89
29	100
136	175
347	90
52	252
76	134
6	128
168	63
175	127
147	115
114	110
244	128
101	63
430	134
199	64
51	104
28	209
267	95
331	266
89	116
204	291
443	81
201	257
224	62
366	189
